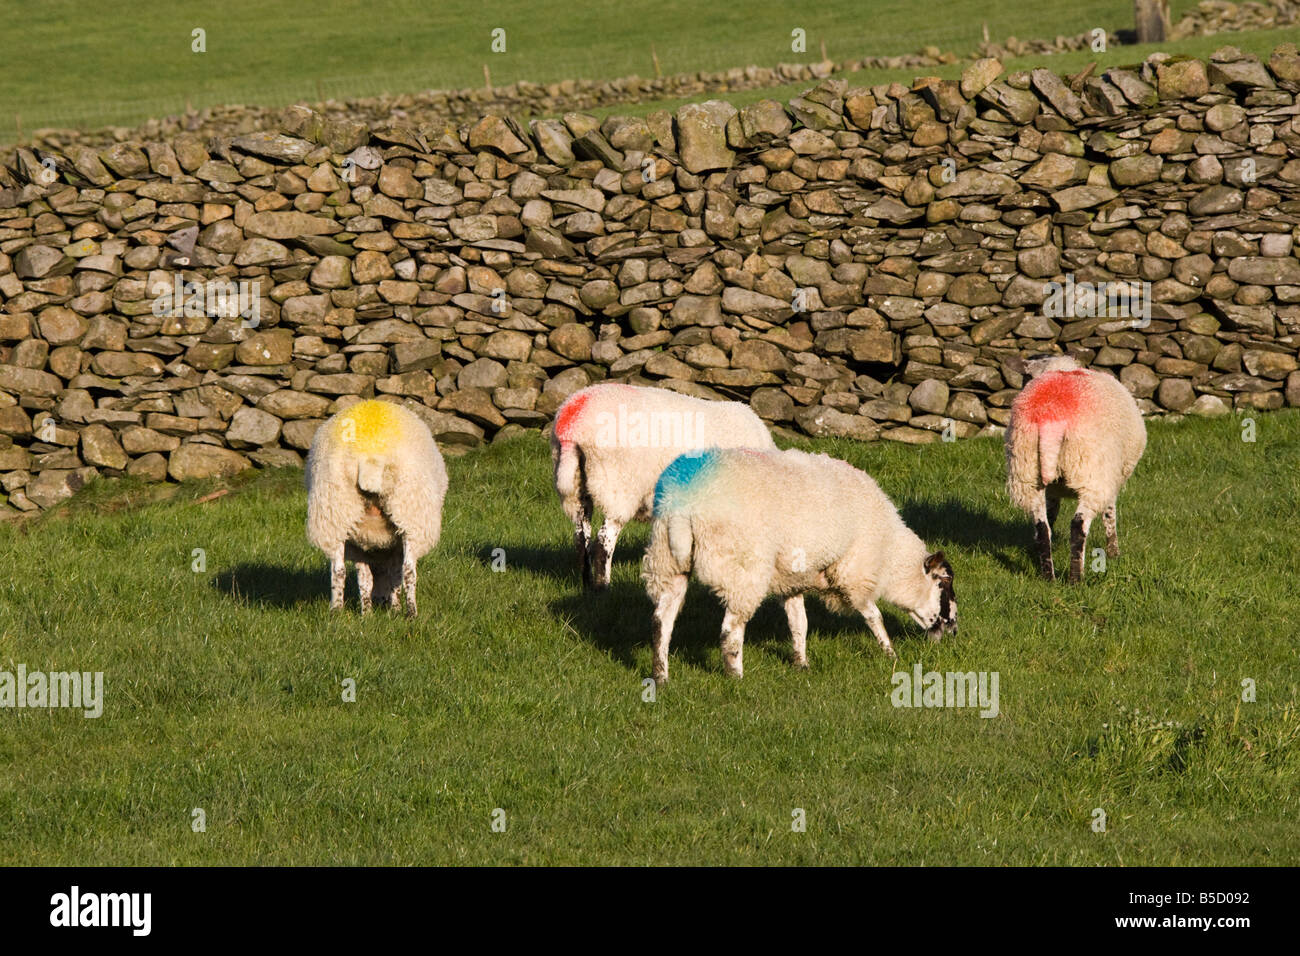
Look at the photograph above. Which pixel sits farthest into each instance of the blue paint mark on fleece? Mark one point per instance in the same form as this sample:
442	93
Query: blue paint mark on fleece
683	473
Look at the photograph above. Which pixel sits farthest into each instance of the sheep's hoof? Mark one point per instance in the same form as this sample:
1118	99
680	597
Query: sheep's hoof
1048	572
1076	577
1112	550
801	665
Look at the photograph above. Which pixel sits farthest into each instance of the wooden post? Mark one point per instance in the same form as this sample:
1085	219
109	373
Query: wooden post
654	56
825	58
487	77
1151	18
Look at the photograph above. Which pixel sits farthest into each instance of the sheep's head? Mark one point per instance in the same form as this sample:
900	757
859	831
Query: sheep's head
938	612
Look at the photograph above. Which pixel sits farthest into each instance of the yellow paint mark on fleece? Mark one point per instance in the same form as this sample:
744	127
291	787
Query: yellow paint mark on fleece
370	427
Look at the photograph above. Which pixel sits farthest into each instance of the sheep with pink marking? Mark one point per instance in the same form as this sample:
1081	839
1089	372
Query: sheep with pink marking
752	523
1073	433
610	443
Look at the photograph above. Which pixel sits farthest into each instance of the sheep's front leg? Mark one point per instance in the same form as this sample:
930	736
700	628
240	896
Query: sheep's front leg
1079	541
1110	522
876	622
365	583
602	556
667	604
797	617
338	578
408	579
1043	535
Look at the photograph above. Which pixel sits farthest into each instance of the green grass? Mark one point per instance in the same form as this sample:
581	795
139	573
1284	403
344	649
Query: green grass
66	65
512	690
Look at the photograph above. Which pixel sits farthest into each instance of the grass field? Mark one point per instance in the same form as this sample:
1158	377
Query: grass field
68	66
223	687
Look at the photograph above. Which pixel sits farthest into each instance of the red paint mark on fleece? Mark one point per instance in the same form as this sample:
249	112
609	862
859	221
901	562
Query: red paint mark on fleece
568	416
1054	397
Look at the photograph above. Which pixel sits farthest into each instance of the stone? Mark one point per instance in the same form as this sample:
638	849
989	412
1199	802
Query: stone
1215	201
1182	79
1260	270
976	77
201	460
931	396
820	421
28	381
702	136
1209	406
573	341
39	262
1139	380
1175	394
100	447
483	373
54	485
252	428
289	225
139	440
272	347
60	325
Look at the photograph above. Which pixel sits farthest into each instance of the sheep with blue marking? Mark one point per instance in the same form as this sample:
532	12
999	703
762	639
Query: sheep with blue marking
375	487
752	523
609	445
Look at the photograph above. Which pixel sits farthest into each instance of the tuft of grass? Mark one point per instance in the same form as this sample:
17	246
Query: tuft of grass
514	691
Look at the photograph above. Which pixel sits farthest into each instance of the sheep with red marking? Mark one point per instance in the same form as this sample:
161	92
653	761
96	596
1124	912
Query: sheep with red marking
1073	433
609	445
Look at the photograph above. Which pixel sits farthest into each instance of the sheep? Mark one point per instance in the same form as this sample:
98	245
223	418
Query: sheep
1073	433
375	486
753	523
610	443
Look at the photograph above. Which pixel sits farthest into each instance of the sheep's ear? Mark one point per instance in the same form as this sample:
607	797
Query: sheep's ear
937	566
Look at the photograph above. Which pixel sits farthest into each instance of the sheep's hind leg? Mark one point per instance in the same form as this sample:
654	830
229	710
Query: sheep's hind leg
582	537
1044	515
602	553
876	622
1079	526
797	617
667	603
338	578
733	643
408	580
1110	522
365	583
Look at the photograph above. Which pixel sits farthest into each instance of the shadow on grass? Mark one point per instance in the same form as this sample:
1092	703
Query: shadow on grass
619	622
558	562
955	523
273	586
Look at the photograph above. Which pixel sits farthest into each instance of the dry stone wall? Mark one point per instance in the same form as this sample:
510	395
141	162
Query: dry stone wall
864	262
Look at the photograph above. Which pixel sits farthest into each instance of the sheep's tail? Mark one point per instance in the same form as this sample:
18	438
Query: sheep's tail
370	475
680	540
1050	436
569	479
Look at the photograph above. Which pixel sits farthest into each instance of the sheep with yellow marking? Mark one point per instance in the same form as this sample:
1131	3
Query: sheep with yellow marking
375	487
